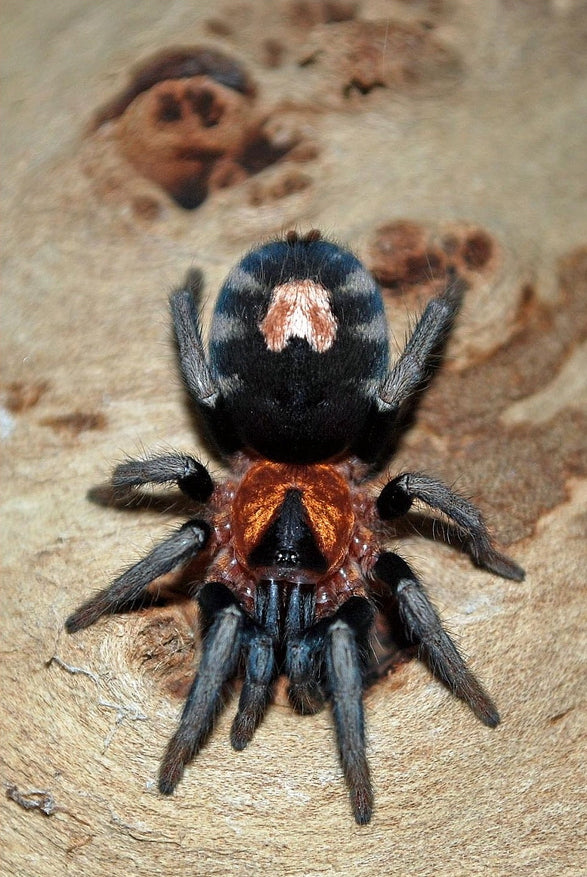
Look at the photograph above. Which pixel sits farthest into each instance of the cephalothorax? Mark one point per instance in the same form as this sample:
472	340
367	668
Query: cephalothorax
298	394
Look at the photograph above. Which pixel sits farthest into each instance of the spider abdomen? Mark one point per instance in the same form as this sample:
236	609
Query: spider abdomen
297	342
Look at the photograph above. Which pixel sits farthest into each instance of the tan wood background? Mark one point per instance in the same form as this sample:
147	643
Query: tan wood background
482	138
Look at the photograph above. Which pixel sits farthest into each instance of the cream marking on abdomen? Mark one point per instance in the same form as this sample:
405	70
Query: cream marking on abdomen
299	309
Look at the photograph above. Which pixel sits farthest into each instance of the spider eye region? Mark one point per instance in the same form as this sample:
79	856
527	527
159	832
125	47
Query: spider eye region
289	541
292	522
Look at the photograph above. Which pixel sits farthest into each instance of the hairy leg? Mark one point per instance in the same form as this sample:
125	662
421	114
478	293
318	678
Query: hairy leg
220	654
304	648
197	375
127	591
397	497
191	477
192	357
415	364
260	639
346	638
424	627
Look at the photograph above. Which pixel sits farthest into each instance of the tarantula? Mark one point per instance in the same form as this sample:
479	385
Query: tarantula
298	395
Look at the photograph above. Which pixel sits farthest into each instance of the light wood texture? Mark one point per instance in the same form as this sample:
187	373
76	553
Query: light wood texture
90	254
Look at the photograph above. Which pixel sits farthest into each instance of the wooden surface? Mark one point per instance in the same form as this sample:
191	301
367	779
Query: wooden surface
484	139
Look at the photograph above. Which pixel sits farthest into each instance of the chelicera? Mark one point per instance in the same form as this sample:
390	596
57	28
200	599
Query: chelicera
297	392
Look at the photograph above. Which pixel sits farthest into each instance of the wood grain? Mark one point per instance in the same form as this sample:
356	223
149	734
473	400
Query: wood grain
90	254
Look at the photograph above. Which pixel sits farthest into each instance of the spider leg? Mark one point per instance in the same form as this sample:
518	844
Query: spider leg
424	627
426	342
220	654
396	397
192	357
130	587
261	665
346	638
303	651
191	477
197	374
398	495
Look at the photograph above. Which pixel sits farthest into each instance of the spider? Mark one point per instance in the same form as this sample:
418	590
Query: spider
297	393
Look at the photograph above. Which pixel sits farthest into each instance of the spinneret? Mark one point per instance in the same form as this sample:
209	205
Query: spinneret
297	392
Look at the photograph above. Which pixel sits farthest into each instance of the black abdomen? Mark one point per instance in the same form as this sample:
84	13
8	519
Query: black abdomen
298	340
